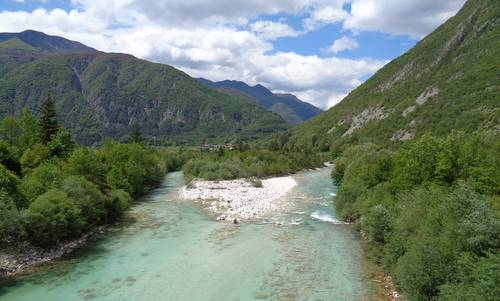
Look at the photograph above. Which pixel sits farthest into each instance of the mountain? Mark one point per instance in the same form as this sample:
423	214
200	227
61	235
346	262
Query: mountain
37	41
99	95
288	106
449	81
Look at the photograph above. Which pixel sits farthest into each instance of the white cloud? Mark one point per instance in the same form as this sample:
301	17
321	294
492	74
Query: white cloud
324	14
414	18
272	30
342	44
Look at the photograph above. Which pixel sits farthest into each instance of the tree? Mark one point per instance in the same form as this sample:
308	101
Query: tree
29	126
48	123
136	133
10	131
34	156
62	143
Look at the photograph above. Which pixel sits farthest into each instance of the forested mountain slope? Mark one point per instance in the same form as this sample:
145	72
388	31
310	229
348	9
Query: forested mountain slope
99	95
449	80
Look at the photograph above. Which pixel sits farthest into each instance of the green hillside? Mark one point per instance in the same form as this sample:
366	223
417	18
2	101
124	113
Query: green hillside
100	95
449	80
416	160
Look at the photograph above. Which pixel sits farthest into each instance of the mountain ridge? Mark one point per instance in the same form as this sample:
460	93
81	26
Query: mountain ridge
292	109
99	95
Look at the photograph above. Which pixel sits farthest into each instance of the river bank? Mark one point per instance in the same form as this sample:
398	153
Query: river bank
27	256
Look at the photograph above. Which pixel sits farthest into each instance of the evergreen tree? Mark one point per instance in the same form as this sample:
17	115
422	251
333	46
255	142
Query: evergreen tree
136	133
48	120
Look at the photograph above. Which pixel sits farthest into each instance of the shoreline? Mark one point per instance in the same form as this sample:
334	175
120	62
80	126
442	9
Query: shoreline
26	256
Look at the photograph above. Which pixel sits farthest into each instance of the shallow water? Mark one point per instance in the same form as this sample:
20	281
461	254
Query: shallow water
172	250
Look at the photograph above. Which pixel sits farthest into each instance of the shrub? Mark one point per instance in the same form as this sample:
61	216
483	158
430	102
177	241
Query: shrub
43	178
89	163
53	216
117	202
11	227
87	197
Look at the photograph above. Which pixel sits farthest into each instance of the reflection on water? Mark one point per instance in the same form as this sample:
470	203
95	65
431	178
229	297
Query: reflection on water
171	250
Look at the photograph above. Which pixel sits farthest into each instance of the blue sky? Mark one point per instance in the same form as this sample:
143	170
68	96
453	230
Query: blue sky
317	49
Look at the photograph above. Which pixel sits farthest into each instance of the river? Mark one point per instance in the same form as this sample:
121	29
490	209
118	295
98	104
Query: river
169	249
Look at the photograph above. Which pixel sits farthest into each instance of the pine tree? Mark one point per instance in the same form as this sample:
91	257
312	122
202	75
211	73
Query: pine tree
48	120
136	133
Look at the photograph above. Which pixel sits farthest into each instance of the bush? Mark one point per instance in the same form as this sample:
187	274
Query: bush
117	202
87	197
132	168
478	279
377	223
11	227
43	178
52	217
89	163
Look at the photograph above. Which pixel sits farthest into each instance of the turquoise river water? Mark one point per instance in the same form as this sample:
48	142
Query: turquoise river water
169	249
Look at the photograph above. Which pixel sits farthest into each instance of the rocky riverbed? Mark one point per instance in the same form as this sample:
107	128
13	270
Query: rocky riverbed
240	199
26	256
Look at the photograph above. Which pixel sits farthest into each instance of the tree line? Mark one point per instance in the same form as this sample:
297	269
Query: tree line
52	190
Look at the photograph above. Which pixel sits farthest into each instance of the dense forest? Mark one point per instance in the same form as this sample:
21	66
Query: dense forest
52	190
431	210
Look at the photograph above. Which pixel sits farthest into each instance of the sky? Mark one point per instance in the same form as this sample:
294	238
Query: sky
319	50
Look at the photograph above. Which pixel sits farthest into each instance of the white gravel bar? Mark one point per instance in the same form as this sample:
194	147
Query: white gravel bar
236	200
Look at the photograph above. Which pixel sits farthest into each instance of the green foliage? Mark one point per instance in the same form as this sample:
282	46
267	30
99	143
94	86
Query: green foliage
172	108
41	179
136	135
11	227
10	131
118	201
8	181
64	192
132	168
48	123
477	279
34	156
426	205
9	157
53	216
249	163
29	126
89	163
89	199
61	143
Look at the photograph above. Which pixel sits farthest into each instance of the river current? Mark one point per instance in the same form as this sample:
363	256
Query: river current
168	249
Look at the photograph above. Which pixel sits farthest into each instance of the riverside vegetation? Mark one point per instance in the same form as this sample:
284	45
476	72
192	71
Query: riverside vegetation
51	190
273	156
417	160
431	210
